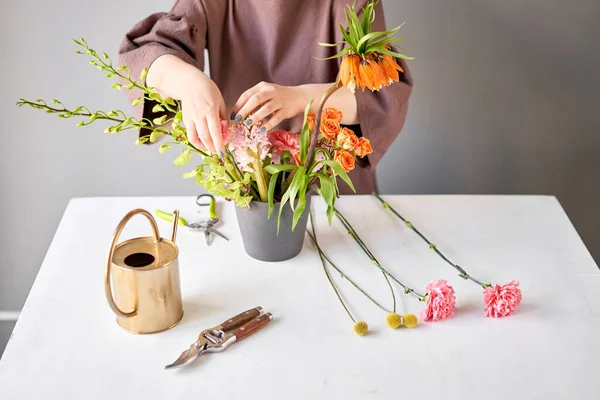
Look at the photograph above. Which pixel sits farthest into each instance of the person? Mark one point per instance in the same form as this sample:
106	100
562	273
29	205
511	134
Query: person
263	68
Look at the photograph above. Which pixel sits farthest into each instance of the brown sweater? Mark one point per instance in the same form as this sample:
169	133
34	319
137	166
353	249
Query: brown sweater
249	41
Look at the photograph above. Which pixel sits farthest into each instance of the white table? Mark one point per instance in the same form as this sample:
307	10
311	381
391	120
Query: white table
66	344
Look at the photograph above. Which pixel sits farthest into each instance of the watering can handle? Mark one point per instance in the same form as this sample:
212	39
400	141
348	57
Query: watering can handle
157	239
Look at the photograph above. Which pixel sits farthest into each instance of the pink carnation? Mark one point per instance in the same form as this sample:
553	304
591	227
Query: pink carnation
501	301
282	141
441	301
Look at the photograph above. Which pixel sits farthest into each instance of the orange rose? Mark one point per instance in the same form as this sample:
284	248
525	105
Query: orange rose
363	147
330	128
332	113
345	159
311	121
347	139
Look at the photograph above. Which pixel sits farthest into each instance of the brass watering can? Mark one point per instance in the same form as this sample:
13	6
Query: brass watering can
145	293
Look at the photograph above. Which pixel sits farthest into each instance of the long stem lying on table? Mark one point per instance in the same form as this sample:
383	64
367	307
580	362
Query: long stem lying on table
342	274
323	257
461	272
363	246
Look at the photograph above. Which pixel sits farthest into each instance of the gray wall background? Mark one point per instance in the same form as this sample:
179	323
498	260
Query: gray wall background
506	101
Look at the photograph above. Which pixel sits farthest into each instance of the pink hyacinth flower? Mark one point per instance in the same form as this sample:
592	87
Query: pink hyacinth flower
441	301
501	301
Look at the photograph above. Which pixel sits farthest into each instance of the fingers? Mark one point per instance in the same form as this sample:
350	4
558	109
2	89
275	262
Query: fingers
276	118
243	100
204	135
264	112
214	128
253	103
192	134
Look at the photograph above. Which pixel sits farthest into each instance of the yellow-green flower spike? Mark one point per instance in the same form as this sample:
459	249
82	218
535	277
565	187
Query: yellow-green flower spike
393	320
410	320
361	328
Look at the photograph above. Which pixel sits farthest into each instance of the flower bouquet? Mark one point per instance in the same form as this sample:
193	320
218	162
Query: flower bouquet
262	171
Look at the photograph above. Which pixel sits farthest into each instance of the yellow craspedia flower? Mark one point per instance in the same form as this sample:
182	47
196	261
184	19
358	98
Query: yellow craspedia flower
393	320
410	320
361	328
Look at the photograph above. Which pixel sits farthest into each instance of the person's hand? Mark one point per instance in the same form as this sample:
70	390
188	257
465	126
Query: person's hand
269	104
202	106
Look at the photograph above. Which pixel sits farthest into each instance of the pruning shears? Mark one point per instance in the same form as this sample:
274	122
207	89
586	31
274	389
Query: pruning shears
204	224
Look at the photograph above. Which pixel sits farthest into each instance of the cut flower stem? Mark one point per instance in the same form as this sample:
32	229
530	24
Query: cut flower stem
461	272
324	257
365	249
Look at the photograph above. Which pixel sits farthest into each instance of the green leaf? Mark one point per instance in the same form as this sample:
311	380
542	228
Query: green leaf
276	168
271	191
373	35
381	43
137	101
105	55
327	191
110	74
164	147
183	158
366	18
346	36
305	135
155	135
282	204
143	74
112	113
122	68
329	44
116	86
394	54
296	185
157	108
130	86
160	120
301	206
341	53
80	123
337	168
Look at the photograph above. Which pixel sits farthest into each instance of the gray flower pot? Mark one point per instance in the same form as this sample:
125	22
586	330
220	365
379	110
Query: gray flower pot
259	233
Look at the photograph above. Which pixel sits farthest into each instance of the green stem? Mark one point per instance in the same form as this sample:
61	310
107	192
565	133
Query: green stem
342	274
461	272
363	246
259	174
335	289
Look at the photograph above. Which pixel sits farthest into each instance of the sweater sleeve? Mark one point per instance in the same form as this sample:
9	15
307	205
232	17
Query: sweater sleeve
382	114
180	32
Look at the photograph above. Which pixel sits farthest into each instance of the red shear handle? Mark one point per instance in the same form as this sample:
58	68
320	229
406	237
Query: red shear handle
241	319
252	326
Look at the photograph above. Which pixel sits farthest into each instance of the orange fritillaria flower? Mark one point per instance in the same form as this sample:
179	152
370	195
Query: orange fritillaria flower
348	74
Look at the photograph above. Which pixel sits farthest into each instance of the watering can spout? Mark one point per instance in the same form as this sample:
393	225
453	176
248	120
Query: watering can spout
175	223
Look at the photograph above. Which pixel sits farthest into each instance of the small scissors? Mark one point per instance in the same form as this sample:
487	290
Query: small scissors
204	224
